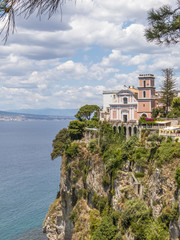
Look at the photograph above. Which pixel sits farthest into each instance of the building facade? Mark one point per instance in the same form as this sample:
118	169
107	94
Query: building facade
129	104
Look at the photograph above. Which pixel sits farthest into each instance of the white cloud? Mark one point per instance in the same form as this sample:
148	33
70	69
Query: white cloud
97	45
70	67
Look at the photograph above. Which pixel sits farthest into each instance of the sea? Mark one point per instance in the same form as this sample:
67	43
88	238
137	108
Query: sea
29	179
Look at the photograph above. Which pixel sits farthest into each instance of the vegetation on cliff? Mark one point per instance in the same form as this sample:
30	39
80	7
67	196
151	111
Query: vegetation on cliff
93	168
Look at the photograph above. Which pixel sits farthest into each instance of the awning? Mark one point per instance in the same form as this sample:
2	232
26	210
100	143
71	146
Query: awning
162	122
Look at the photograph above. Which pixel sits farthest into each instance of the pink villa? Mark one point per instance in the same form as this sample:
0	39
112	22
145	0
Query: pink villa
129	104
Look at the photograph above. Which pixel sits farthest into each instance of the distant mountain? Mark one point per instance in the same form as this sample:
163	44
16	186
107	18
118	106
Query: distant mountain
13	116
48	111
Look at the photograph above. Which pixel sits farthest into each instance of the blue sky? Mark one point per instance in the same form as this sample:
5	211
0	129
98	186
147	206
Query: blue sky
98	45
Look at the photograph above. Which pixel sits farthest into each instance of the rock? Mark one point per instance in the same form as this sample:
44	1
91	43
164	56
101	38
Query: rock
174	230
156	190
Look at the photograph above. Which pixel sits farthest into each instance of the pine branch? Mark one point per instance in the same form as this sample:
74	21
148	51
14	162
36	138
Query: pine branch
164	25
9	9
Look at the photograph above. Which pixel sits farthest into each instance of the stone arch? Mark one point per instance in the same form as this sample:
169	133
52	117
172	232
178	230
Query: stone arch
130	131
144	115
114	129
125	131
135	130
119	129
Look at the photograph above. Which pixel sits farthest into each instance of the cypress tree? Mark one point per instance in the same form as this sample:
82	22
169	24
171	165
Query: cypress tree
167	88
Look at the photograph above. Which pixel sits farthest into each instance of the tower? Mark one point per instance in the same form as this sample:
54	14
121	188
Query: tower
146	95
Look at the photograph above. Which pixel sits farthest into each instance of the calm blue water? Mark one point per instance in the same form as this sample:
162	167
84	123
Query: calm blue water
29	180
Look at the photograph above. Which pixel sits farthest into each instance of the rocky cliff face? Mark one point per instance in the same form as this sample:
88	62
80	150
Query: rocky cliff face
83	188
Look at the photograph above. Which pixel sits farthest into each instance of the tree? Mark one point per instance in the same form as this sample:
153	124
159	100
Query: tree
11	8
175	112
167	88
86	111
76	129
106	231
177	176
122	134
176	103
164	25
60	142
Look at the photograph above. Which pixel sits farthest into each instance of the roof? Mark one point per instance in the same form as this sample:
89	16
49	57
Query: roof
125	91
111	91
146	76
133	90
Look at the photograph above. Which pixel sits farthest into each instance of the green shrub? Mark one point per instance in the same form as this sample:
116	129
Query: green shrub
99	202
128	147
156	230
155	112
60	143
118	237
106	180
136	216
95	220
135	211
113	159
85	172
115	215
150	170
72	150
169	214
141	156
106	135
177	176
106	230
82	193
73	216
169	139
93	145
139	175
167	152
155	138
76	175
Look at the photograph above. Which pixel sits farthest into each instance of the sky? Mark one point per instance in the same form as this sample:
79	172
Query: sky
67	61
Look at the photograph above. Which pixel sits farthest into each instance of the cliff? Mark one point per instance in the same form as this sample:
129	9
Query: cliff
90	193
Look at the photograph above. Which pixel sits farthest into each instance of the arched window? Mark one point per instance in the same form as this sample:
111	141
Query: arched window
125	100
144	94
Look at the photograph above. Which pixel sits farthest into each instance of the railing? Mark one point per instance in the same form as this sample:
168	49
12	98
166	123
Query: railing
150	127
170	134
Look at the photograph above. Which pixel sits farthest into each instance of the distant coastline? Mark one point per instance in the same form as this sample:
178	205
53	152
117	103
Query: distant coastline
10	116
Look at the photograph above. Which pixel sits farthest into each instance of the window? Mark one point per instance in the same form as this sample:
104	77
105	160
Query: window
125	100
144	94
125	118
144	83
143	105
